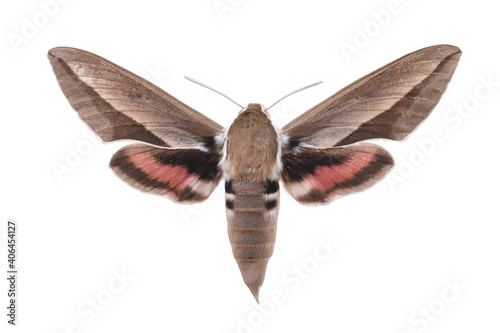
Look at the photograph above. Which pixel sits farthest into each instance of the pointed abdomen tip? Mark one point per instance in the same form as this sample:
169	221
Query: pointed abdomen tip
254	288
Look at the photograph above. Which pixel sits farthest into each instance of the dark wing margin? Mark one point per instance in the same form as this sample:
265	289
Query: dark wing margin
388	103
117	104
183	175
318	176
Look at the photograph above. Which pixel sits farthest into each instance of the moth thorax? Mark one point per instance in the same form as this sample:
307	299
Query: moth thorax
252	146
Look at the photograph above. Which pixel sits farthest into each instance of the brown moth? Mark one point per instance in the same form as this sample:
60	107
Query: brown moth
319	156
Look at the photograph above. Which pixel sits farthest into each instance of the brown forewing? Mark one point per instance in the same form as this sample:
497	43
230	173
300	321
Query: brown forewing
117	104
387	103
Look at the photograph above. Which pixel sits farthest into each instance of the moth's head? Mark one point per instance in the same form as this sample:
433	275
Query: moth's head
255	108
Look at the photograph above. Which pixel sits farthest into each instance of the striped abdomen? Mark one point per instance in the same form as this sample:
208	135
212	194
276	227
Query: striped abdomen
252	215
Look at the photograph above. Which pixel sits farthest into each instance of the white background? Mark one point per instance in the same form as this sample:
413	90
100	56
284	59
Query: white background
433	222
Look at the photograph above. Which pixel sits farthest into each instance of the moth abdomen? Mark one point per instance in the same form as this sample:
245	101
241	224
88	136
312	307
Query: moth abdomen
252	213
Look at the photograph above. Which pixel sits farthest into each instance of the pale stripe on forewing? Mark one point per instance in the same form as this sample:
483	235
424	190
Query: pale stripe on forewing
95	85
416	90
72	80
402	94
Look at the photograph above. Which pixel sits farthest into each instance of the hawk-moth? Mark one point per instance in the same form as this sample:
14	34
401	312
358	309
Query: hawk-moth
319	156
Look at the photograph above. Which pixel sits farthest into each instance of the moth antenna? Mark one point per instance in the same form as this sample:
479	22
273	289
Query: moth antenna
204	85
293	92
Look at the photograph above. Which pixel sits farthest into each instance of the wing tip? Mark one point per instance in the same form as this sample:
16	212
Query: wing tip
447	50
451	47
453	51
56	52
65	52
52	55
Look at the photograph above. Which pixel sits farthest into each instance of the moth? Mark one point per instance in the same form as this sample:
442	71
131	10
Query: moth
319	156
